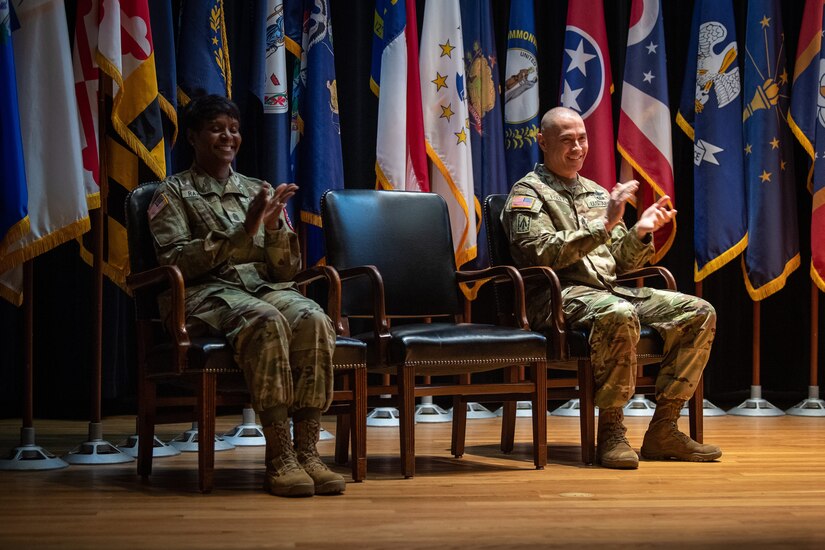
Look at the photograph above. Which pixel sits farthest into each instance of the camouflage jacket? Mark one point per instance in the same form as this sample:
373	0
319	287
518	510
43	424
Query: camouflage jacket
552	224
197	225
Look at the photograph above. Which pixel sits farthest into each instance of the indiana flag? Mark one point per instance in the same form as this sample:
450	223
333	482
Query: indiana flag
135	148
50	135
484	105
14	220
710	113
586	86
521	92
401	159
447	121
644	121
319	165
773	241
807	120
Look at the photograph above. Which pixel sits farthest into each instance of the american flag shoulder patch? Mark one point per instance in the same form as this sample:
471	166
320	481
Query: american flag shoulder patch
523	201
158	204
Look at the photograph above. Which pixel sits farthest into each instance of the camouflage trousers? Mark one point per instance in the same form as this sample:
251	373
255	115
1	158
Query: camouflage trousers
687	325
282	341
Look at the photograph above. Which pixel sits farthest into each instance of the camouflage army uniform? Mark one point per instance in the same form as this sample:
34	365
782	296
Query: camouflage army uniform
551	224
282	340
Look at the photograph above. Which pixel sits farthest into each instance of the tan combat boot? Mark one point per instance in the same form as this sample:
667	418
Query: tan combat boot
326	481
284	476
613	450
663	439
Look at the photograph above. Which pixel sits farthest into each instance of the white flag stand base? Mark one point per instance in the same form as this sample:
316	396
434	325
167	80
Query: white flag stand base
159	448
248	433
187	442
524	409
383	417
96	450
708	409
570	408
477	411
428	412
29	456
639	405
812	406
756	406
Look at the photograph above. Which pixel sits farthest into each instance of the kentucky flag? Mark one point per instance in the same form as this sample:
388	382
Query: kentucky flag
710	113
644	121
773	241
807	120
484	106
319	165
14	222
521	92
586	86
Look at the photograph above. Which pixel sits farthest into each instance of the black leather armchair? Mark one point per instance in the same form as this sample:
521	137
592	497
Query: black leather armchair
406	236
569	349
206	362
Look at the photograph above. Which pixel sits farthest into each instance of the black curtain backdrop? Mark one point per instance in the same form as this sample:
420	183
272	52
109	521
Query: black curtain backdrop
62	297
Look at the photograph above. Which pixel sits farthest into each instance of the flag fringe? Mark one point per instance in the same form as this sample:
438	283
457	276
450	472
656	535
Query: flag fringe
15	233
720	260
44	244
772	286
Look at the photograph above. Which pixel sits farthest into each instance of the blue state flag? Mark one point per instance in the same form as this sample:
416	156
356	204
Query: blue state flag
14	222
484	106
319	165
521	92
163	40
773	240
710	113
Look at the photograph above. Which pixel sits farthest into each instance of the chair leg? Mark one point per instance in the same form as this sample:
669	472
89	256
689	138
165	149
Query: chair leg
358	420
508	417
343	427
587	415
696	412
459	426
147	406
206	431
539	372
406	413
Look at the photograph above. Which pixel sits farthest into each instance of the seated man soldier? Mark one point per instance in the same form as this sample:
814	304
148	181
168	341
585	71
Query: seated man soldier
555	217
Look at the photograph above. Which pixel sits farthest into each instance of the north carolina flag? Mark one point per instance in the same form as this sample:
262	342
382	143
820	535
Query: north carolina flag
521	92
135	148
401	158
807	120
710	113
50	134
447	121
644	121
773	241
586	86
319	165
14	221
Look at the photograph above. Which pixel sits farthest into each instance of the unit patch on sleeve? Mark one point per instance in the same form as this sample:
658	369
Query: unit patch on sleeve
157	205
522	223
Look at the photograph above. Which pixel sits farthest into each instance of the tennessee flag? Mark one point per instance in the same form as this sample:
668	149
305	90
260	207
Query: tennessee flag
773	241
644	121
710	113
807	120
586	86
50	136
401	159
447	121
135	148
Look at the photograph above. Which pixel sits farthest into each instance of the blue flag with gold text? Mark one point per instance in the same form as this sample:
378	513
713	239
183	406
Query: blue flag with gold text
710	113
773	240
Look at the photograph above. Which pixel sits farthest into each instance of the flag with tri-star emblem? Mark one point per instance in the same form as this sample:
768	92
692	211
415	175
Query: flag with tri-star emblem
807	120
446	121
710	113
586	86
644	121
773	241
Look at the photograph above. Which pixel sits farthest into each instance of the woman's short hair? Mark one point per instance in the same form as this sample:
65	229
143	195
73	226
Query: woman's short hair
204	108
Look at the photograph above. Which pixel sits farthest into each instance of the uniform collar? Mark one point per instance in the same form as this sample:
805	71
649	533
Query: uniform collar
582	185
206	184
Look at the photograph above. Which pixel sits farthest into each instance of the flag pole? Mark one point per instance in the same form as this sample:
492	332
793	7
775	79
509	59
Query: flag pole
29	456
813	405
96	450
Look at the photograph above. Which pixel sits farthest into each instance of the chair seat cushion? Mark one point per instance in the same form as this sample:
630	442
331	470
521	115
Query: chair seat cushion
446	348
650	343
349	354
206	353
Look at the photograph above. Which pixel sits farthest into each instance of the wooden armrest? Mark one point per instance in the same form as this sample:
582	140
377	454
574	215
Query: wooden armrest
649	271
381	325
330	274
502	273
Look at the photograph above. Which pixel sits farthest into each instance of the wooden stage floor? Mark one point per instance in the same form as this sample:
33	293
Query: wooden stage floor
768	491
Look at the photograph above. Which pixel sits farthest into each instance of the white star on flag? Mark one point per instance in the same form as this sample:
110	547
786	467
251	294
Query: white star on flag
578	59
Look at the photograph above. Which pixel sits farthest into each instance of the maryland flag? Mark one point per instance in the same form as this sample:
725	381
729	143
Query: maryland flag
807	120
134	149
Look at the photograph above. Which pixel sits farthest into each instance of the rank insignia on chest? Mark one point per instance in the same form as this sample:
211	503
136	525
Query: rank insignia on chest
235	217
522	223
522	202
158	204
